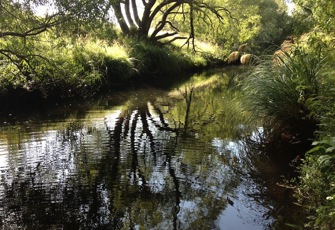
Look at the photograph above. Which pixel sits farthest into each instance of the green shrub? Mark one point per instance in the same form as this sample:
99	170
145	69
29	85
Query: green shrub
109	61
80	67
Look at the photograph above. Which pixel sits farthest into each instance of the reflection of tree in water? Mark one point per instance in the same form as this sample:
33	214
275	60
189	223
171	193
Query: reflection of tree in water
139	179
149	138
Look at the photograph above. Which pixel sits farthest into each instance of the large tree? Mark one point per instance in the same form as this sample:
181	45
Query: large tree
275	25
156	20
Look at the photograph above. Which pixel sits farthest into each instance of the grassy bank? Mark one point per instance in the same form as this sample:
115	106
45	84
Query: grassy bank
83	65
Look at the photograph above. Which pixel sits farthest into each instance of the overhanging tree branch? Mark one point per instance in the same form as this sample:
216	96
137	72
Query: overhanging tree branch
176	38
17	59
164	20
165	35
35	30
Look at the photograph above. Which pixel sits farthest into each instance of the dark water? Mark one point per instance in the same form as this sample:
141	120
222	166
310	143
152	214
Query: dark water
143	159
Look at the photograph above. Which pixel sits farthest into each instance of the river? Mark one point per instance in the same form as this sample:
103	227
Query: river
140	159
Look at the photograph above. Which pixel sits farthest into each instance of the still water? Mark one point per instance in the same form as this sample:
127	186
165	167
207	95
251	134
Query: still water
141	159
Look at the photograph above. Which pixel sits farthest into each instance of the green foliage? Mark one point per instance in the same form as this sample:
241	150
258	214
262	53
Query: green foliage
293	89
68	66
81	68
301	21
262	24
239	23
108	60
9	76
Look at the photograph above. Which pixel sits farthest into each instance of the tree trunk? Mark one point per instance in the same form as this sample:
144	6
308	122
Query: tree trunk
135	11
144	26
128	8
120	18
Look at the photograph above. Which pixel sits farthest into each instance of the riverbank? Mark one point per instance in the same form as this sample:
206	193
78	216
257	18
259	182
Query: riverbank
89	65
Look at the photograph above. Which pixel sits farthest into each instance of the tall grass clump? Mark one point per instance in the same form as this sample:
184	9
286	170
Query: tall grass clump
89	65
279	91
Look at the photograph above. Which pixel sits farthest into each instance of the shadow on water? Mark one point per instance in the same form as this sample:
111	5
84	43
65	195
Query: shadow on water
144	159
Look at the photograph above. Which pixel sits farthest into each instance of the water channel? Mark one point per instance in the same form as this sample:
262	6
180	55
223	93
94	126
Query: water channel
141	159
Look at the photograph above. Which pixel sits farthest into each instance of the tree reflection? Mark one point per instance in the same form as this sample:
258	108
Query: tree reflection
140	166
139	126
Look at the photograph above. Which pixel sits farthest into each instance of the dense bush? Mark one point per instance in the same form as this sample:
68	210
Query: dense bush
68	68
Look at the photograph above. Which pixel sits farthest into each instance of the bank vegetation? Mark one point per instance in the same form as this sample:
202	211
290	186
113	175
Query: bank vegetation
293	92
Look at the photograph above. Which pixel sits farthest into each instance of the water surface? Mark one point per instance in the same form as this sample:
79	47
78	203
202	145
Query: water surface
143	159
